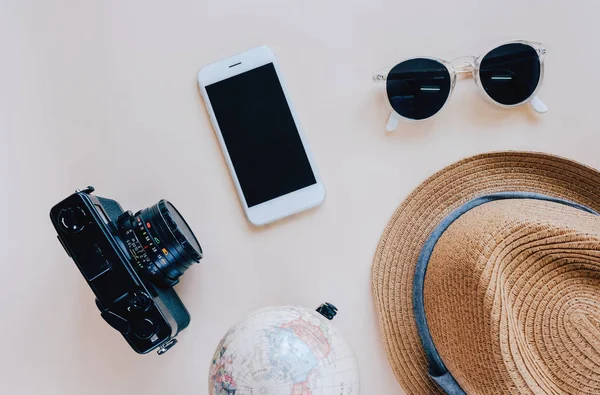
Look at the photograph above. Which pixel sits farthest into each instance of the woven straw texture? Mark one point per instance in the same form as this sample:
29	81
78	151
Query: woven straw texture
512	293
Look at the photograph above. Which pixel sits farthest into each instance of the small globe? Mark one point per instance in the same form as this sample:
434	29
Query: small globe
284	350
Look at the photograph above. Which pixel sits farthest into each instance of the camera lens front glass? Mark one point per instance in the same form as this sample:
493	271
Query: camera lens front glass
183	227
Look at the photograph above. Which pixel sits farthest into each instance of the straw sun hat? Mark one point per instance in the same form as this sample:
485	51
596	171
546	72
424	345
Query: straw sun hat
487	278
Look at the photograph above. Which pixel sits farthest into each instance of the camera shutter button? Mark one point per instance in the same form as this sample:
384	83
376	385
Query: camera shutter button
139	302
72	219
144	329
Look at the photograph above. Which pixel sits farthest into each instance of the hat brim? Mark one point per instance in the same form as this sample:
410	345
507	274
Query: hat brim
414	220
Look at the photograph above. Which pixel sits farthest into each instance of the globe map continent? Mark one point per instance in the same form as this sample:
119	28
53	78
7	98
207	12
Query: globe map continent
284	351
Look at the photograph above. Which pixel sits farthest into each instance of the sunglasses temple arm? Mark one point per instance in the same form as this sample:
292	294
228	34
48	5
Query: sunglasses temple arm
538	105
392	123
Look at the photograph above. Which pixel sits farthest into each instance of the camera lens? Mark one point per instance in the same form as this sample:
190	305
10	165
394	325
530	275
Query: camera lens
161	243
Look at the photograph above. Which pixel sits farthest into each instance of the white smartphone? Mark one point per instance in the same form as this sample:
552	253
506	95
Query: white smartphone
268	156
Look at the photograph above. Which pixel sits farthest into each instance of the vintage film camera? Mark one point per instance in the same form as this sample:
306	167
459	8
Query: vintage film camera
131	262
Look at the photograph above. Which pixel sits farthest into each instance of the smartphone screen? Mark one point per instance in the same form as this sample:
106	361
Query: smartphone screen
260	134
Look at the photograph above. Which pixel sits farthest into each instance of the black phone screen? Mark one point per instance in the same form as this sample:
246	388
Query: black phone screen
260	134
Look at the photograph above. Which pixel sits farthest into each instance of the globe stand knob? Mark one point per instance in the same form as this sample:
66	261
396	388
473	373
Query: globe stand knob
327	310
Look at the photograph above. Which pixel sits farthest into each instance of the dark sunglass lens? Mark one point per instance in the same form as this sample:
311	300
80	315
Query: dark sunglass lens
510	73
418	88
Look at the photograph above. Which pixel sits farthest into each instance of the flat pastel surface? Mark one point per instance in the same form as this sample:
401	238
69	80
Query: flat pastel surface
104	93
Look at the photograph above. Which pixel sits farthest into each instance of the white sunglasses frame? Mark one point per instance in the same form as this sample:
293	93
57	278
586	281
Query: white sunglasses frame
463	65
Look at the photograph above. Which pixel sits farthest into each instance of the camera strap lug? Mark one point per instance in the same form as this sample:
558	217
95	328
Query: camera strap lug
166	346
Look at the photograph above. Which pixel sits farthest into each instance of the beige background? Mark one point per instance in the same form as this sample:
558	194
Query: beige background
104	93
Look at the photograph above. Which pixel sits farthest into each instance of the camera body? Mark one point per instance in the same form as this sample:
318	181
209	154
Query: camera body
94	232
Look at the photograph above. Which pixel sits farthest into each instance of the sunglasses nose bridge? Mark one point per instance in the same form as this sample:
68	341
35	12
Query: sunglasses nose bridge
463	65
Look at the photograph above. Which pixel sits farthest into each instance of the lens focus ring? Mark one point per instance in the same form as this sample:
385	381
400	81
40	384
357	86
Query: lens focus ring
161	243
179	228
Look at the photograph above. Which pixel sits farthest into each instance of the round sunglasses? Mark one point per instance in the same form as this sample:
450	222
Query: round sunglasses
508	75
